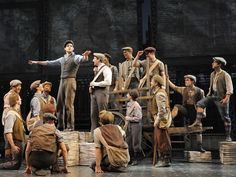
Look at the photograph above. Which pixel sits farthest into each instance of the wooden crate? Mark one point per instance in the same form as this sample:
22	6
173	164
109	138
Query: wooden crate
72	140
196	156
84	136
228	152
87	153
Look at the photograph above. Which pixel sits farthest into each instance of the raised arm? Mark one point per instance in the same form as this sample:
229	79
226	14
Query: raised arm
138	55
86	54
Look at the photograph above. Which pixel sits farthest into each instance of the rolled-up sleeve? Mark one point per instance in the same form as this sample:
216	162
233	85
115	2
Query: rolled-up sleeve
59	136
9	121
229	84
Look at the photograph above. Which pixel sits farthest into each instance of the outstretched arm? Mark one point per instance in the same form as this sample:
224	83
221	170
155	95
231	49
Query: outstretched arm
31	62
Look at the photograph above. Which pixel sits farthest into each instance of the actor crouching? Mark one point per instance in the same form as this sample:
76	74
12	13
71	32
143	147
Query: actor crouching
111	152
45	140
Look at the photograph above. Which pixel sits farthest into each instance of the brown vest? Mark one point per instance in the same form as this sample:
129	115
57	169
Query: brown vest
196	97
154	109
44	138
18	128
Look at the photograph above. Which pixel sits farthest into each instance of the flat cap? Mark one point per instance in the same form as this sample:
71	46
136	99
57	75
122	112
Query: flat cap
47	83
192	77
220	59
150	49
108	56
100	56
35	84
127	48
15	82
67	42
49	116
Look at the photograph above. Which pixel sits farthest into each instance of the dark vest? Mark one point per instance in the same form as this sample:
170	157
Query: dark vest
220	84
196	97
69	68
43	138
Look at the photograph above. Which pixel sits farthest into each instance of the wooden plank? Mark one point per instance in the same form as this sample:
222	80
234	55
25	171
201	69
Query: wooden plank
196	156
186	130
228	152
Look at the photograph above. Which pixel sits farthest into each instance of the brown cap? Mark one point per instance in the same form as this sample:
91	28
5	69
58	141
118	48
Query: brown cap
100	56
47	83
150	49
220	59
35	84
192	77
49	116
130	49
67	42
106	117
15	82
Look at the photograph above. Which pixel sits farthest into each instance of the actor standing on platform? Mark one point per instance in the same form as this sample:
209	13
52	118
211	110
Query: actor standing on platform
111	151
99	89
220	90
130	75
162	120
191	95
155	66
66	94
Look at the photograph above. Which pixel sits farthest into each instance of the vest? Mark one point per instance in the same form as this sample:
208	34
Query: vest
154	109
18	127
42	104
196	97
220	84
43	138
69	68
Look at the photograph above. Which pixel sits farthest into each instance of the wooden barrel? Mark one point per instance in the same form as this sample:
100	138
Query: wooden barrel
228	152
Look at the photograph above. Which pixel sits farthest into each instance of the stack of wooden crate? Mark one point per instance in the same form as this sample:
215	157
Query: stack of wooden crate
228	152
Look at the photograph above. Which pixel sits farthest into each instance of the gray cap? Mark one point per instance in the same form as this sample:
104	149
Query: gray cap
35	84
220	59
47	83
127	48
49	116
100	56
15	82
67	42
192	77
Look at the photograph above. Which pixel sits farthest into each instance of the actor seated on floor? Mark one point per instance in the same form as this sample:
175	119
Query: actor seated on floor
14	134
111	152
45	140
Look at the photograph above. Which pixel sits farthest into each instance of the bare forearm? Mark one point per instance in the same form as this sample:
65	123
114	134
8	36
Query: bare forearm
98	154
64	153
32	62
10	139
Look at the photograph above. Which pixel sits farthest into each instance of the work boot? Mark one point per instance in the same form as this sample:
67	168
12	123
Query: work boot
135	160
228	138
200	148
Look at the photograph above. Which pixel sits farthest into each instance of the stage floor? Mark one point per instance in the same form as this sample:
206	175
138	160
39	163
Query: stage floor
145	169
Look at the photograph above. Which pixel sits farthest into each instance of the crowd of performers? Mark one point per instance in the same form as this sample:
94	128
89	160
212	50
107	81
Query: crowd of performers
113	151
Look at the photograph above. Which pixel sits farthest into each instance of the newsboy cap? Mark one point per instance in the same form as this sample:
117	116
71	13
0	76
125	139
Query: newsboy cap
68	42
15	82
35	84
49	116
47	83
150	49
220	59
127	48
192	77
100	56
